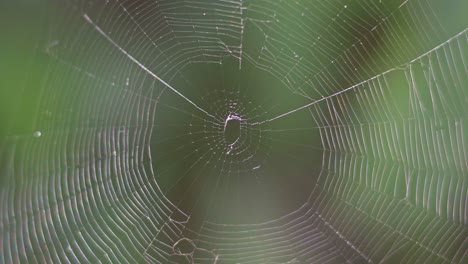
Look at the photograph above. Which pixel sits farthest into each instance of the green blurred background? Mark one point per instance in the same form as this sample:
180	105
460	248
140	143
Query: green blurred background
60	77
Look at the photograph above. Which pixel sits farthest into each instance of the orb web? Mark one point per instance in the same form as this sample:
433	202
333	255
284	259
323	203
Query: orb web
242	132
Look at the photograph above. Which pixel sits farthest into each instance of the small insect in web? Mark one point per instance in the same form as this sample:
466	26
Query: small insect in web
232	130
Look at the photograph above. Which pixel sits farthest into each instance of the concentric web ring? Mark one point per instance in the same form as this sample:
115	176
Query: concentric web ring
243	131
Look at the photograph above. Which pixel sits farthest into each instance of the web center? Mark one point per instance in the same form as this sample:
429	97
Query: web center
232	129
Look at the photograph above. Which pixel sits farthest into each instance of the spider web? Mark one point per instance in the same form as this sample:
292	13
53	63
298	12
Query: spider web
351	143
